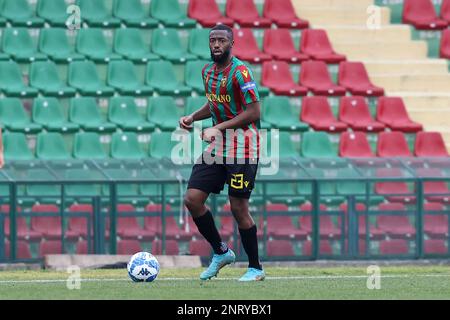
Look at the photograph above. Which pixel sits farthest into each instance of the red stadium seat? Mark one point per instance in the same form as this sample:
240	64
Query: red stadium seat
128	247
435	225
374	232
49	227
445	11
445	44
82	247
430	144
281	226
327	229
435	246
277	248
154	224
353	76
283	14
277	76
279	44
200	248
193	230
50	247
22	250
314	76
355	112
246	48
129	228
392	112
78	226
396	246
207	13
245	13
392	144
23	232
387	189
354	145
316	111
324	248
171	247
316	44
434	191
422	15
396	226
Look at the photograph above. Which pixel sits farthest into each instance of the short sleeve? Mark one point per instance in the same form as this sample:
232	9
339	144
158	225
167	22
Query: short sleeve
246	85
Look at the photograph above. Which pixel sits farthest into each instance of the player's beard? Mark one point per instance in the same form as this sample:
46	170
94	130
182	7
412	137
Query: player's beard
222	58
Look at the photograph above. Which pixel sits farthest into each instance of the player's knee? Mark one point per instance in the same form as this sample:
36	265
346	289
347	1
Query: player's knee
192	204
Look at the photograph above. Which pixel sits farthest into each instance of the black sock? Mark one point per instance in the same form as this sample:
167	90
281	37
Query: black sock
208	229
250	243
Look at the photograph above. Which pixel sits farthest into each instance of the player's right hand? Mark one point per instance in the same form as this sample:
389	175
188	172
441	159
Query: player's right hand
186	122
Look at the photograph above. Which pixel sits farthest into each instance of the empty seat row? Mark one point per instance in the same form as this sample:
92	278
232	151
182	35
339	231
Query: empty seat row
422	14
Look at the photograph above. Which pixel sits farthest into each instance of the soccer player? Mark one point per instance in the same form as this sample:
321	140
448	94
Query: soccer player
233	104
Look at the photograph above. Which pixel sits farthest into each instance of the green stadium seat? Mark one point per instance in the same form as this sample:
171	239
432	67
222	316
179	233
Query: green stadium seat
126	192
283	192
84	77
81	193
125	145
123	111
133	15
16	147
327	189
199	43
42	193
161	76
129	43
54	43
280	114
161	145
4	56
51	146
11	81
92	43
14	117
122	76
53	11
86	145
167	43
286	149
163	112
49	113
193	75
193	104
17	43
84	111
170	14
95	14
316	145
19	13
44	76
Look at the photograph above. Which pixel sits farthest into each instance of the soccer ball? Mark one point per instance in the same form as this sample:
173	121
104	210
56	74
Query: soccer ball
143	267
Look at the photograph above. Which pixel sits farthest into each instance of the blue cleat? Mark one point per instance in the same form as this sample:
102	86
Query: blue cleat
218	262
253	274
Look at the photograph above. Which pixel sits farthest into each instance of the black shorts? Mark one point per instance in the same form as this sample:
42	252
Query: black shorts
211	178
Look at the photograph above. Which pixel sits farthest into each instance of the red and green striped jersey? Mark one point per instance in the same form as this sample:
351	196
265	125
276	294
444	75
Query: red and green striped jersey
229	92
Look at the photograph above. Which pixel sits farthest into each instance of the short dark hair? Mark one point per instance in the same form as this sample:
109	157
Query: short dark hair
223	27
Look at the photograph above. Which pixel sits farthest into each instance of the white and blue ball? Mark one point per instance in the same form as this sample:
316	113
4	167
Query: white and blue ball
143	267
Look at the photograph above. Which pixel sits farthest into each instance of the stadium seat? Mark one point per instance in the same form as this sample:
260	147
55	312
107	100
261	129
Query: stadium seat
392	112
11	81
316	112
283	14
54	43
316	145
435	190
327	229
226	229
394	191
192	105
50	247
51	146
77	227
23	250
314	76
396	226
374	232
200	248
133	14
153	222
277	248
278	112
80	193
279	44
207	13
430	144
17	43
123	78
129	43
161	76
286	148
167	43
48	226
286	194
49	113
19	13
22	230
246	48
83	76
355	145
128	247
422	15
161	144
44	77
354	77
92	43
172	247
127	193
53	12
355	112
193	76
392	144
281	227
85	112
125	145
42	193
445	44
86	145
16	147
95	14
82	247
14	117
163	112
435	246
173	231
396	246
128	226
277	76
324	248
435	225
123	111
199	43
170	14
316	44
445	10
245	13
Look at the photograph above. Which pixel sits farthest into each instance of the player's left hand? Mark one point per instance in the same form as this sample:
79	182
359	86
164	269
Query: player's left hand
210	134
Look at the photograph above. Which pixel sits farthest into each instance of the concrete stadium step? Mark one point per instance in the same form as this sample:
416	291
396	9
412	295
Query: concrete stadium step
422	101
414	83
333	3
411	67
430	116
383	51
362	34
